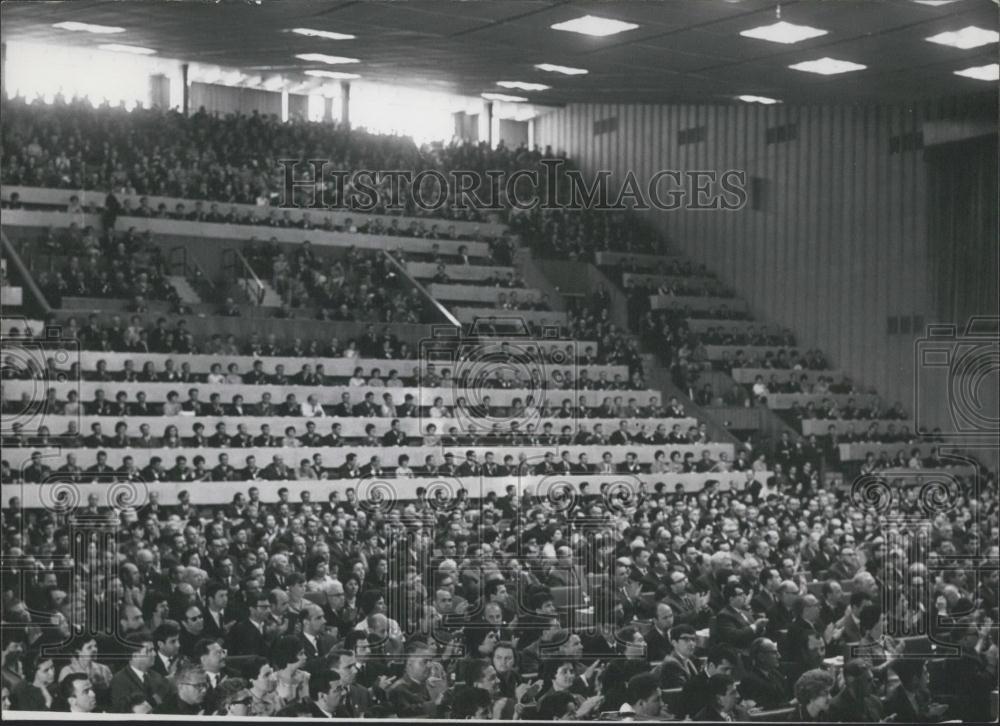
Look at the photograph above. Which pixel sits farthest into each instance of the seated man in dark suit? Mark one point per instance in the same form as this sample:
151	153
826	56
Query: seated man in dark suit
138	679
417	693
909	702
764	683
732	624
856	702
247	636
679	667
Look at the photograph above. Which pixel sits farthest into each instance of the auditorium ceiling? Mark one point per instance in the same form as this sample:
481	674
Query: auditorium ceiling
683	50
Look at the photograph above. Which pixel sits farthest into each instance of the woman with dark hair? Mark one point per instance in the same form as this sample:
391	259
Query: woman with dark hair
82	654
812	693
318	574
288	659
34	693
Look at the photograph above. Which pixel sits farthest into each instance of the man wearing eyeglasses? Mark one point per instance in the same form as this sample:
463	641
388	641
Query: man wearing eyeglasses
192	627
192	684
679	667
138	678
688	609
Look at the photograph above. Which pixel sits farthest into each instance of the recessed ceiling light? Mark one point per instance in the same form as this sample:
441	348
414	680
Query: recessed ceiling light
88	27
504	97
758	99
982	73
121	48
332	60
522	86
827	66
328	34
935	3
970	37
565	70
596	26
333	74
783	32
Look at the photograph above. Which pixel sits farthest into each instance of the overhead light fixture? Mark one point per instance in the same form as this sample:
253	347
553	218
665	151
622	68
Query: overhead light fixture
328	34
332	60
827	66
504	97
121	48
88	27
758	99
596	26
989	72
970	37
522	86
333	74
935	3
565	70
782	32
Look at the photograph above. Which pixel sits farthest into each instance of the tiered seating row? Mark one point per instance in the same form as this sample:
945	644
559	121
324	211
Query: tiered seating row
343	367
291	455
231	232
157	392
216	493
350	427
60	197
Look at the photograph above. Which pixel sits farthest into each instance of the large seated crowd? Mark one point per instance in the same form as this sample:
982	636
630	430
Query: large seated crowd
789	598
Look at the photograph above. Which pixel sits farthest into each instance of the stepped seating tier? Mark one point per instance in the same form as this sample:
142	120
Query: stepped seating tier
821	427
328	395
55	457
694	302
469	315
481	294
8	323
719	352
782	375
457	273
655	278
610	259
344	367
224	233
60	198
858	450
350	427
214	493
702	325
780	401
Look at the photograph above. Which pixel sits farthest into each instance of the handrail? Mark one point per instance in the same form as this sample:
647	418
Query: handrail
10	251
242	270
423	291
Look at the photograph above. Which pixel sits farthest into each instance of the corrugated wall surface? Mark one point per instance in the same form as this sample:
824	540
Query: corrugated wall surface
841	242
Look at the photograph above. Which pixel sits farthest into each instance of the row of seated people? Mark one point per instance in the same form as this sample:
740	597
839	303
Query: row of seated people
511	281
170	404
912	459
506	301
229	160
102	267
115	335
803	383
578	234
829	410
398	433
427	376
693	287
196	588
78	468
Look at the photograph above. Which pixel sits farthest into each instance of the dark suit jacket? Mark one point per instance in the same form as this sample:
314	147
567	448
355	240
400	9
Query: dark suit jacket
899	704
356	705
769	690
674	674
845	707
211	629
126	684
409	699
657	646
246	639
315	656
732	628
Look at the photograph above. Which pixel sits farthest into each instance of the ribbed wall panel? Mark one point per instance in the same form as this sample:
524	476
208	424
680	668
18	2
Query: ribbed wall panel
841	243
